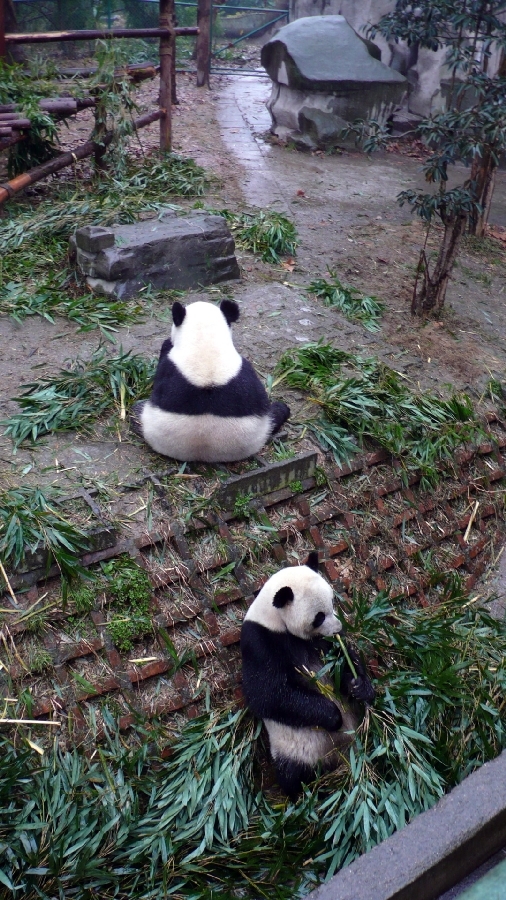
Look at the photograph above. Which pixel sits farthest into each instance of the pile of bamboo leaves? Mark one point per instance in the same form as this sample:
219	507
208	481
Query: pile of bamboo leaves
362	399
196	826
35	275
79	395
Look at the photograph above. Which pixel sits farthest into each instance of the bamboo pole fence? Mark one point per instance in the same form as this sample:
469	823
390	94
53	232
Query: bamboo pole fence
167	32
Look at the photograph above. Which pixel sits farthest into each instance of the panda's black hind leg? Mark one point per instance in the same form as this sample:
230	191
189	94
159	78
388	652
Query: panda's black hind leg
291	776
279	413
135	417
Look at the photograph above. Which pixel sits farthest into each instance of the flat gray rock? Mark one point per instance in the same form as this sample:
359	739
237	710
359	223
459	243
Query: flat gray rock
324	77
323	53
173	252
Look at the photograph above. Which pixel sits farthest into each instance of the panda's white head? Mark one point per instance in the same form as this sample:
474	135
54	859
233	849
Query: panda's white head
296	599
202	346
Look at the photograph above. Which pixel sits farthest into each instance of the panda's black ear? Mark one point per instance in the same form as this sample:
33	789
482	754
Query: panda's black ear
282	597
230	310
312	560
178	313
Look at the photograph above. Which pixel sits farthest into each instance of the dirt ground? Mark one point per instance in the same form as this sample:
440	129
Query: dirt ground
343	205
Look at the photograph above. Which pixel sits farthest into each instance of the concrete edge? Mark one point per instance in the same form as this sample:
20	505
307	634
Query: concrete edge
435	851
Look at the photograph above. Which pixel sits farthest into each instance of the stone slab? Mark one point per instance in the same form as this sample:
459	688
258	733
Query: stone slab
324	76
267	479
324	53
434	852
172	252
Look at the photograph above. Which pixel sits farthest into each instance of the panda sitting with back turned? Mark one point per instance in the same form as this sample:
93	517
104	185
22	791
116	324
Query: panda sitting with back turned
207	402
281	638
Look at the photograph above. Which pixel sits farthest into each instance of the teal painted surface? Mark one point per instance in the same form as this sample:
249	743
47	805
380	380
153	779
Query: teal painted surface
491	887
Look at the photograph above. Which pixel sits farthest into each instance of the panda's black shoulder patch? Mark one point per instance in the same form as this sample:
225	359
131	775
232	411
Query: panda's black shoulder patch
243	395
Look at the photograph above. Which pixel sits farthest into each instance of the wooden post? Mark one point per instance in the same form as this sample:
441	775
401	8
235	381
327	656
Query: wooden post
166	55
3	45
203	42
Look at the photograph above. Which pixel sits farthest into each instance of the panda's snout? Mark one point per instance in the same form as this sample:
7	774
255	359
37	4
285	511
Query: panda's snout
331	625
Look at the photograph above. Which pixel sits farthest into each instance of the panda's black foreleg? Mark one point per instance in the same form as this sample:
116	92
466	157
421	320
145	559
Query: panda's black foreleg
135	417
359	688
279	413
292	775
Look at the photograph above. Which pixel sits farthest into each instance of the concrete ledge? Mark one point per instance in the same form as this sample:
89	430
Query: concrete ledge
269	478
434	852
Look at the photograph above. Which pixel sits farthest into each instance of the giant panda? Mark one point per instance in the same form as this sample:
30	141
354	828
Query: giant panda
281	639
207	402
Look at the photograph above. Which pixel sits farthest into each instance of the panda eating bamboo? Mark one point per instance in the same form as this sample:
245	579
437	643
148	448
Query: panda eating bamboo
281	646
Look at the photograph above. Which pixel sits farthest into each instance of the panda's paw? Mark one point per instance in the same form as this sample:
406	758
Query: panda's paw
360	688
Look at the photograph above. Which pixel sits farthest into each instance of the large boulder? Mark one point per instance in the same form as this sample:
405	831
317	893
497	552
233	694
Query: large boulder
171	252
324	77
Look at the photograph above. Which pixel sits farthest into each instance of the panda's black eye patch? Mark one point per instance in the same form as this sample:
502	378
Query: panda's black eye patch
318	619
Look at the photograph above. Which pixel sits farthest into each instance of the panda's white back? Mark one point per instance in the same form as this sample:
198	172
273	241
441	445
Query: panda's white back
203	349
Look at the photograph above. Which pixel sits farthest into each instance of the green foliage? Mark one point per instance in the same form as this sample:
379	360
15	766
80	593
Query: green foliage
78	396
129	590
269	234
242	506
362	398
35	278
50	300
113	92
471	130
39	145
83	598
40	661
355	306
29	519
192	826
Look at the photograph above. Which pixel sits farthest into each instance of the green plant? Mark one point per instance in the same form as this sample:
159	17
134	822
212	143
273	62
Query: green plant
129	590
296	487
281	451
355	306
30	520
269	234
471	129
364	399
78	396
83	598
39	145
114	104
40	661
242	506
50	299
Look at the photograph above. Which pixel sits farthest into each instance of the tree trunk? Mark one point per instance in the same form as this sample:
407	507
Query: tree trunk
483	175
432	294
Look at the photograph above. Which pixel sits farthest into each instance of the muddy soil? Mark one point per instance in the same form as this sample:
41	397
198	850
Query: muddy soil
343	205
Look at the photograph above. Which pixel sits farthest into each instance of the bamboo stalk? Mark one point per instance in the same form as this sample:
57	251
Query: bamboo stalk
471	520
91	34
9	587
30	722
347	656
